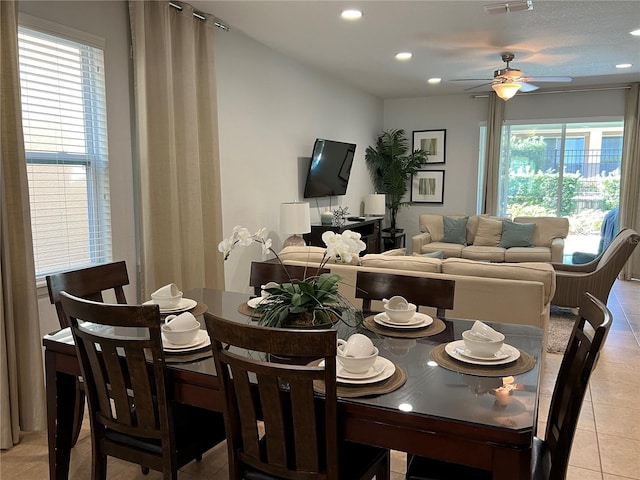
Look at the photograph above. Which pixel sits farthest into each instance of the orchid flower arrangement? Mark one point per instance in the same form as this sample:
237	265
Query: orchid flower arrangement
312	301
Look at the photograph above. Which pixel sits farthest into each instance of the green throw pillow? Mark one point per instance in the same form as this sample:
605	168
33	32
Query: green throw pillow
455	230
516	234
437	254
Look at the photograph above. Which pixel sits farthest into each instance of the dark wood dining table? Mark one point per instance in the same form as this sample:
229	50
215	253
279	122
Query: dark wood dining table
438	412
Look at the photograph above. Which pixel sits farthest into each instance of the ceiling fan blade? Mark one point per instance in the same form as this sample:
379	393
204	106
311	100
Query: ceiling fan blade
477	86
547	79
527	87
471	80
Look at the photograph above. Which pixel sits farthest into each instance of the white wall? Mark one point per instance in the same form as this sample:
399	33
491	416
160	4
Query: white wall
270	111
109	20
461	116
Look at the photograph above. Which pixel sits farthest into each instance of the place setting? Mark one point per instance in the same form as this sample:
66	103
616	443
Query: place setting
183	335
361	371
249	307
401	319
170	300
482	351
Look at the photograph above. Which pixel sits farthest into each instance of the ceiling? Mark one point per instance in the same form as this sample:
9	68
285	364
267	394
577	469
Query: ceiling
449	39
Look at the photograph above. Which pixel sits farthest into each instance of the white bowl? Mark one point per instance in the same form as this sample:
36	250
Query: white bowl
482	346
400	315
167	301
358	364
180	337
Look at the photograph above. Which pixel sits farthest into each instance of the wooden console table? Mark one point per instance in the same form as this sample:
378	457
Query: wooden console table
368	229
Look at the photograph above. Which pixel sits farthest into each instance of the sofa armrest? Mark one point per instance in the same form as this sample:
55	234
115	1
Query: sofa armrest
557	249
418	241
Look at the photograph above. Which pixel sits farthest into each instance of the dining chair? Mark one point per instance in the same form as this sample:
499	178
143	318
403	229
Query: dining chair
133	416
550	456
263	272
276	427
90	283
421	291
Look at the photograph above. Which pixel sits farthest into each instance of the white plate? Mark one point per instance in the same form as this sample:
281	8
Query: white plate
419	320
454	349
254	302
374	371
388	369
184	305
201	340
499	355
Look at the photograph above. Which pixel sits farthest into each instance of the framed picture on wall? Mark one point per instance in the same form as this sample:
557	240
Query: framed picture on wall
433	142
427	186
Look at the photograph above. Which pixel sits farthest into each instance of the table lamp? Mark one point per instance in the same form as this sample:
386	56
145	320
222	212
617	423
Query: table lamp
295	219
374	205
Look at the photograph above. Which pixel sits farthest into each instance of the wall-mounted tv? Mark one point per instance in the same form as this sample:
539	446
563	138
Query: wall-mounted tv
329	169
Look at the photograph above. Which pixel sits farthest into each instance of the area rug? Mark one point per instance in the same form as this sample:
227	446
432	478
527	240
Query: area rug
561	323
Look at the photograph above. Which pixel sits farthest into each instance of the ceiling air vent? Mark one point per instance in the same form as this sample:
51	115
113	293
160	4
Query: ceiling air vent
517	6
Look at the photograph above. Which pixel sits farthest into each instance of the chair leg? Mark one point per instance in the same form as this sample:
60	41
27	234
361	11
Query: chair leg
384	468
78	414
144	470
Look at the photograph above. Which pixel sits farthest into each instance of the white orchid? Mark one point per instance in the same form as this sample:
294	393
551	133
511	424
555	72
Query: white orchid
343	247
242	237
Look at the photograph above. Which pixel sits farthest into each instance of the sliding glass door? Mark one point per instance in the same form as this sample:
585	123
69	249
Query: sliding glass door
562	169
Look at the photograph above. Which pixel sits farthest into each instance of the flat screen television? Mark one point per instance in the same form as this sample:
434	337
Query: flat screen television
329	169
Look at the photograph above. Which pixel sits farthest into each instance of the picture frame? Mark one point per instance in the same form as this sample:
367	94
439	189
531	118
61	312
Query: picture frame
427	186
433	142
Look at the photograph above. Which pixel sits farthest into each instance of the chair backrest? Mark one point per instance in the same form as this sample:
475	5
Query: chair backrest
618	251
587	338
299	439
88	283
125	391
422	291
263	272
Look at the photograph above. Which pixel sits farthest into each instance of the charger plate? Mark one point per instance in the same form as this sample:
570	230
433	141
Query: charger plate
245	309
389	385
438	326
524	363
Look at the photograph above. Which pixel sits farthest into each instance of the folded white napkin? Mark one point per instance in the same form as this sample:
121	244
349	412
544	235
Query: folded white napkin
484	331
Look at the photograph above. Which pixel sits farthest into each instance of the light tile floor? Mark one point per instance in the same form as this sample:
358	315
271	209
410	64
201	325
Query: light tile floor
606	447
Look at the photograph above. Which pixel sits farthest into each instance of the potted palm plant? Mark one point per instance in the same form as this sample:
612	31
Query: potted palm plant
391	164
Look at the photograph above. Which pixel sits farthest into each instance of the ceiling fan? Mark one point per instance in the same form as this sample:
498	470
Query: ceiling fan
507	81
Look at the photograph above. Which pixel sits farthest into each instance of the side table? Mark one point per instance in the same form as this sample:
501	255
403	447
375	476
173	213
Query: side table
395	240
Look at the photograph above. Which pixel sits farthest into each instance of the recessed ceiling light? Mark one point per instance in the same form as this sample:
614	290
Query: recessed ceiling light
434	80
623	65
635	32
351	14
404	55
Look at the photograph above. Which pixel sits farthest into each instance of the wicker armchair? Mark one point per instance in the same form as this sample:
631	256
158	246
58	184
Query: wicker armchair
595	277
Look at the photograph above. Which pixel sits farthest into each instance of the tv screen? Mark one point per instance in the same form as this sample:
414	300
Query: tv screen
329	169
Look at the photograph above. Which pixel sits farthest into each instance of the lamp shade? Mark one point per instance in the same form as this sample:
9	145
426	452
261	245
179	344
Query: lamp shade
295	217
374	204
506	90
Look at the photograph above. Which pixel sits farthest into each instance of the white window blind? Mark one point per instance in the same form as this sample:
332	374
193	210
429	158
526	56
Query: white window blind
65	135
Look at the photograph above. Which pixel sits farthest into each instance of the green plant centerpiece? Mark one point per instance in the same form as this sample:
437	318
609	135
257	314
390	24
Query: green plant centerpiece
310	302
391	164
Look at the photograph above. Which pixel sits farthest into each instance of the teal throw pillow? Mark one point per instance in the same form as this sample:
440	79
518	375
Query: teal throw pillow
516	234
437	254
455	230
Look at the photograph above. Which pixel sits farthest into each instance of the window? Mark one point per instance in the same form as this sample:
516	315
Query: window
64	122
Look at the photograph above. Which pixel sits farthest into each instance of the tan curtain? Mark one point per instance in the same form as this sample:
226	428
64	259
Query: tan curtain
492	155
177	140
630	176
22	405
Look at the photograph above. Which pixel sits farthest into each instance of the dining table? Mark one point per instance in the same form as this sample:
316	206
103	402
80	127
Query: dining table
484	420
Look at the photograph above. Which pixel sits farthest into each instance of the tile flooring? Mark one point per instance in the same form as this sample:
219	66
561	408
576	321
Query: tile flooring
606	447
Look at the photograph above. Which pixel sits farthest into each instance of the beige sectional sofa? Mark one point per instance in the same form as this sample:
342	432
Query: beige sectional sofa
497	292
485	234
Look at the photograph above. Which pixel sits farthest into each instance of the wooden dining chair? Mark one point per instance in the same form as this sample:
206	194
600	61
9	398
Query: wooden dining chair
90	283
421	291
299	439
550	456
263	272
133	416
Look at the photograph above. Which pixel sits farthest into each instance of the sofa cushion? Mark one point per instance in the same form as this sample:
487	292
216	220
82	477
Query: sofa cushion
532	271
449	249
517	234
395	252
308	254
527	254
547	228
488	233
412	263
480	253
455	230
437	254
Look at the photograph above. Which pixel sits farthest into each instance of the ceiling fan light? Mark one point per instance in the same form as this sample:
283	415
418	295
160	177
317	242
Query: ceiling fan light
506	90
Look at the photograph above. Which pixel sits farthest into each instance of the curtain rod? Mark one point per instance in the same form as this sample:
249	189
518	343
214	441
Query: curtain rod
575	90
201	16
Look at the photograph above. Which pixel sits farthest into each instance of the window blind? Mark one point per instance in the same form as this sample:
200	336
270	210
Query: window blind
65	135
